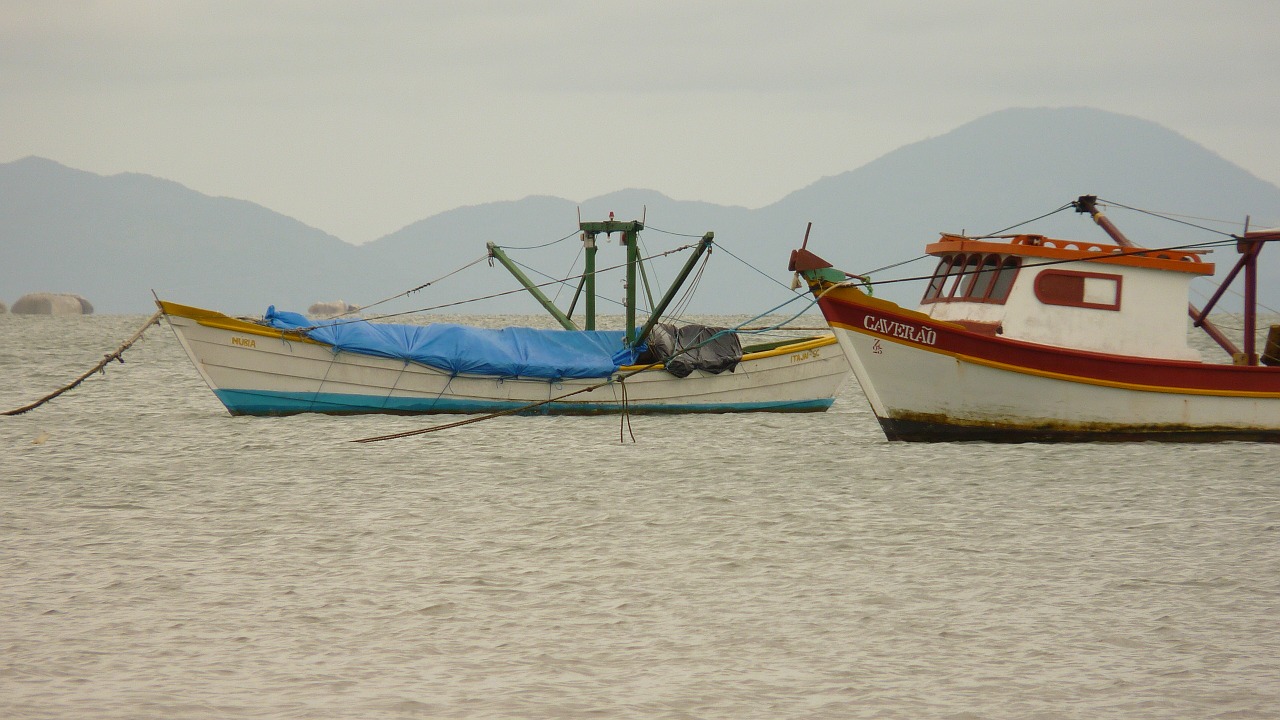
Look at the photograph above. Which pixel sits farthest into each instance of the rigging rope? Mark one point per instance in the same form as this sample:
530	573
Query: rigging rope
1170	218
668	232
536	247
572	265
869	273
563	282
682	304
488	297
758	270
1024	222
480	259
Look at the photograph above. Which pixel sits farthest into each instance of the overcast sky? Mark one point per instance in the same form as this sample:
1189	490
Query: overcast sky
361	117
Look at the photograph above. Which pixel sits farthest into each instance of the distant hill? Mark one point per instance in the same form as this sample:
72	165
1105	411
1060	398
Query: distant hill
114	239
1017	164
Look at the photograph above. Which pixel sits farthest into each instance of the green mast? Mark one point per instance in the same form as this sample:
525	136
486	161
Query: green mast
589	278
629	230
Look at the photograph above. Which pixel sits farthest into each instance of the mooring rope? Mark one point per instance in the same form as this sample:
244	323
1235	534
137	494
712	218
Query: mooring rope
625	421
490	416
116	355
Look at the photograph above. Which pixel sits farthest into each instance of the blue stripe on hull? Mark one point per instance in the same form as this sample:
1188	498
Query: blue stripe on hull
265	402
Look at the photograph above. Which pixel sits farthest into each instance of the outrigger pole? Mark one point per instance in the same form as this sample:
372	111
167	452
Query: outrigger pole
496	253
1249	245
703	245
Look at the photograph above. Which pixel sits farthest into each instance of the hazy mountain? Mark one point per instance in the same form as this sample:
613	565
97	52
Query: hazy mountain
1015	165
113	239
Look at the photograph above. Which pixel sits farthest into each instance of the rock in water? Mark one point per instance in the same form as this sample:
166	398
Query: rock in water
331	309
52	304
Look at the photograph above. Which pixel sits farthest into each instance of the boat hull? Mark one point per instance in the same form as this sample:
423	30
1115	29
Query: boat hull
257	370
930	380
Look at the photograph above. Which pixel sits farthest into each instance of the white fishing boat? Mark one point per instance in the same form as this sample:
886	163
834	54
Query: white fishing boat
1029	338
284	363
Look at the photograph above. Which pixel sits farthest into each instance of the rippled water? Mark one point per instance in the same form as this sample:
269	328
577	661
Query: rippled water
161	559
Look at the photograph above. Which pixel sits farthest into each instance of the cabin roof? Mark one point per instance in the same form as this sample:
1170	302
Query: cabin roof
1039	246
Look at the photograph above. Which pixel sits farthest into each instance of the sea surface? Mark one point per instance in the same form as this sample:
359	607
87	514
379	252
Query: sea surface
162	559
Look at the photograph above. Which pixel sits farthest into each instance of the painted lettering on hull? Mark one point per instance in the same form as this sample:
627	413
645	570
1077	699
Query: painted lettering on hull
905	331
244	342
811	354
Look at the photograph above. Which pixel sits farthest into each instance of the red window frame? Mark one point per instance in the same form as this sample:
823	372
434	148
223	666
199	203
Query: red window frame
1066	288
957	277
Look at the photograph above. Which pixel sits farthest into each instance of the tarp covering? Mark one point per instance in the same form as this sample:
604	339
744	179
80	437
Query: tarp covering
693	347
508	352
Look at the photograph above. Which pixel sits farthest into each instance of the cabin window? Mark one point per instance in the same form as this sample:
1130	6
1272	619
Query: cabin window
982	281
964	283
939	277
954	277
1077	289
1004	280
972	278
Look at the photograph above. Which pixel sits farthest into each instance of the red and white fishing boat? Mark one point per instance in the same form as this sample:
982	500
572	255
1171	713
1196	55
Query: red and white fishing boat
1027	338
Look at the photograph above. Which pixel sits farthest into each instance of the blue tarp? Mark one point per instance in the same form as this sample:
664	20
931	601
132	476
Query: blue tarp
509	352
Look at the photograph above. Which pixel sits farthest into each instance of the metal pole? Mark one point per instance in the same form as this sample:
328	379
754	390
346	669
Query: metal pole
496	253
633	257
1250	248
589	274
628	229
656	315
1088	204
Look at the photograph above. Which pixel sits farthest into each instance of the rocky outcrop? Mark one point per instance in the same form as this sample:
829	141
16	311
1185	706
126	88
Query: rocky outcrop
331	309
52	304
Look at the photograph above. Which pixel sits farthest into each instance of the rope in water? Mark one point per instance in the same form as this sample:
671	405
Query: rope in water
492	415
116	355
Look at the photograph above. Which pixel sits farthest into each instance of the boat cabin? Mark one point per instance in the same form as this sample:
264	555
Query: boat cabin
1088	296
